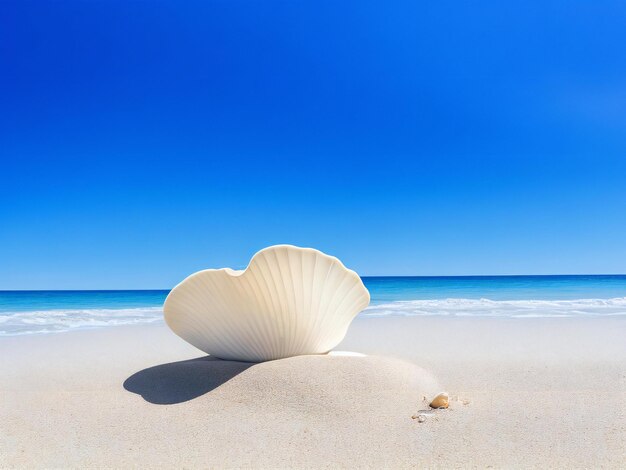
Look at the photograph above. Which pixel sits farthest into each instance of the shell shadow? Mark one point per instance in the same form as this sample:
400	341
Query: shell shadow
178	382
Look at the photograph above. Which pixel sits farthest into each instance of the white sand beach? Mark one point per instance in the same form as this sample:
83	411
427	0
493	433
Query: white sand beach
524	393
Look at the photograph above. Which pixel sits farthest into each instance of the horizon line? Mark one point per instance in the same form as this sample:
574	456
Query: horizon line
362	277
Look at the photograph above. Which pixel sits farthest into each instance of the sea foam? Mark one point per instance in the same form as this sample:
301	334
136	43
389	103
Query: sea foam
501	308
59	320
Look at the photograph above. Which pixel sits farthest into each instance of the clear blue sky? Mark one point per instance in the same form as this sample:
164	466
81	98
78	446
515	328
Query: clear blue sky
141	141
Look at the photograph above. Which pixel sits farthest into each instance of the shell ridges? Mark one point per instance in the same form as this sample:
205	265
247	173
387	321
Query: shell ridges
289	301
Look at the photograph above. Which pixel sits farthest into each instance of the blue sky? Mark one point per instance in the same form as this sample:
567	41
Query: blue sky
141	141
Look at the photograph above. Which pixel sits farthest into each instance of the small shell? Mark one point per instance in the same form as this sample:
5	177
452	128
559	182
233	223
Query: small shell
440	401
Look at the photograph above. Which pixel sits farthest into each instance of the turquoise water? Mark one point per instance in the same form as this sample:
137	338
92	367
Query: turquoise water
385	289
24	301
27	312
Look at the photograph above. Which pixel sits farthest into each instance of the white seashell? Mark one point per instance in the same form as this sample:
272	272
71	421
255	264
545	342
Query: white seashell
346	354
289	301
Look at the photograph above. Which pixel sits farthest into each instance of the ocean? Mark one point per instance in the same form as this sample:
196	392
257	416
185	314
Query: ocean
36	312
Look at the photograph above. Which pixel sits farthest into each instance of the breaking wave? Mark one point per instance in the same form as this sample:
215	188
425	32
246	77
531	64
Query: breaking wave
54	321
60	320
501	308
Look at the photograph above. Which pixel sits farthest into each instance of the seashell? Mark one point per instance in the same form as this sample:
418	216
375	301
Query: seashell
289	301
346	354
440	401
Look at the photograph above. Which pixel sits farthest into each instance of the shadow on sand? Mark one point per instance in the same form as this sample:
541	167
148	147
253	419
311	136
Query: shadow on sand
181	381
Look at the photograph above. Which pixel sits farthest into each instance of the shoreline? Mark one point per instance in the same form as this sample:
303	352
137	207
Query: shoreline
540	392
518	310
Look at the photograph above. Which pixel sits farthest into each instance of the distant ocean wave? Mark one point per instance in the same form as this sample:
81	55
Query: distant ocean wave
60	320
501	308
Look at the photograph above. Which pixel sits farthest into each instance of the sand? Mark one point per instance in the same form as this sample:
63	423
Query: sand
524	393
